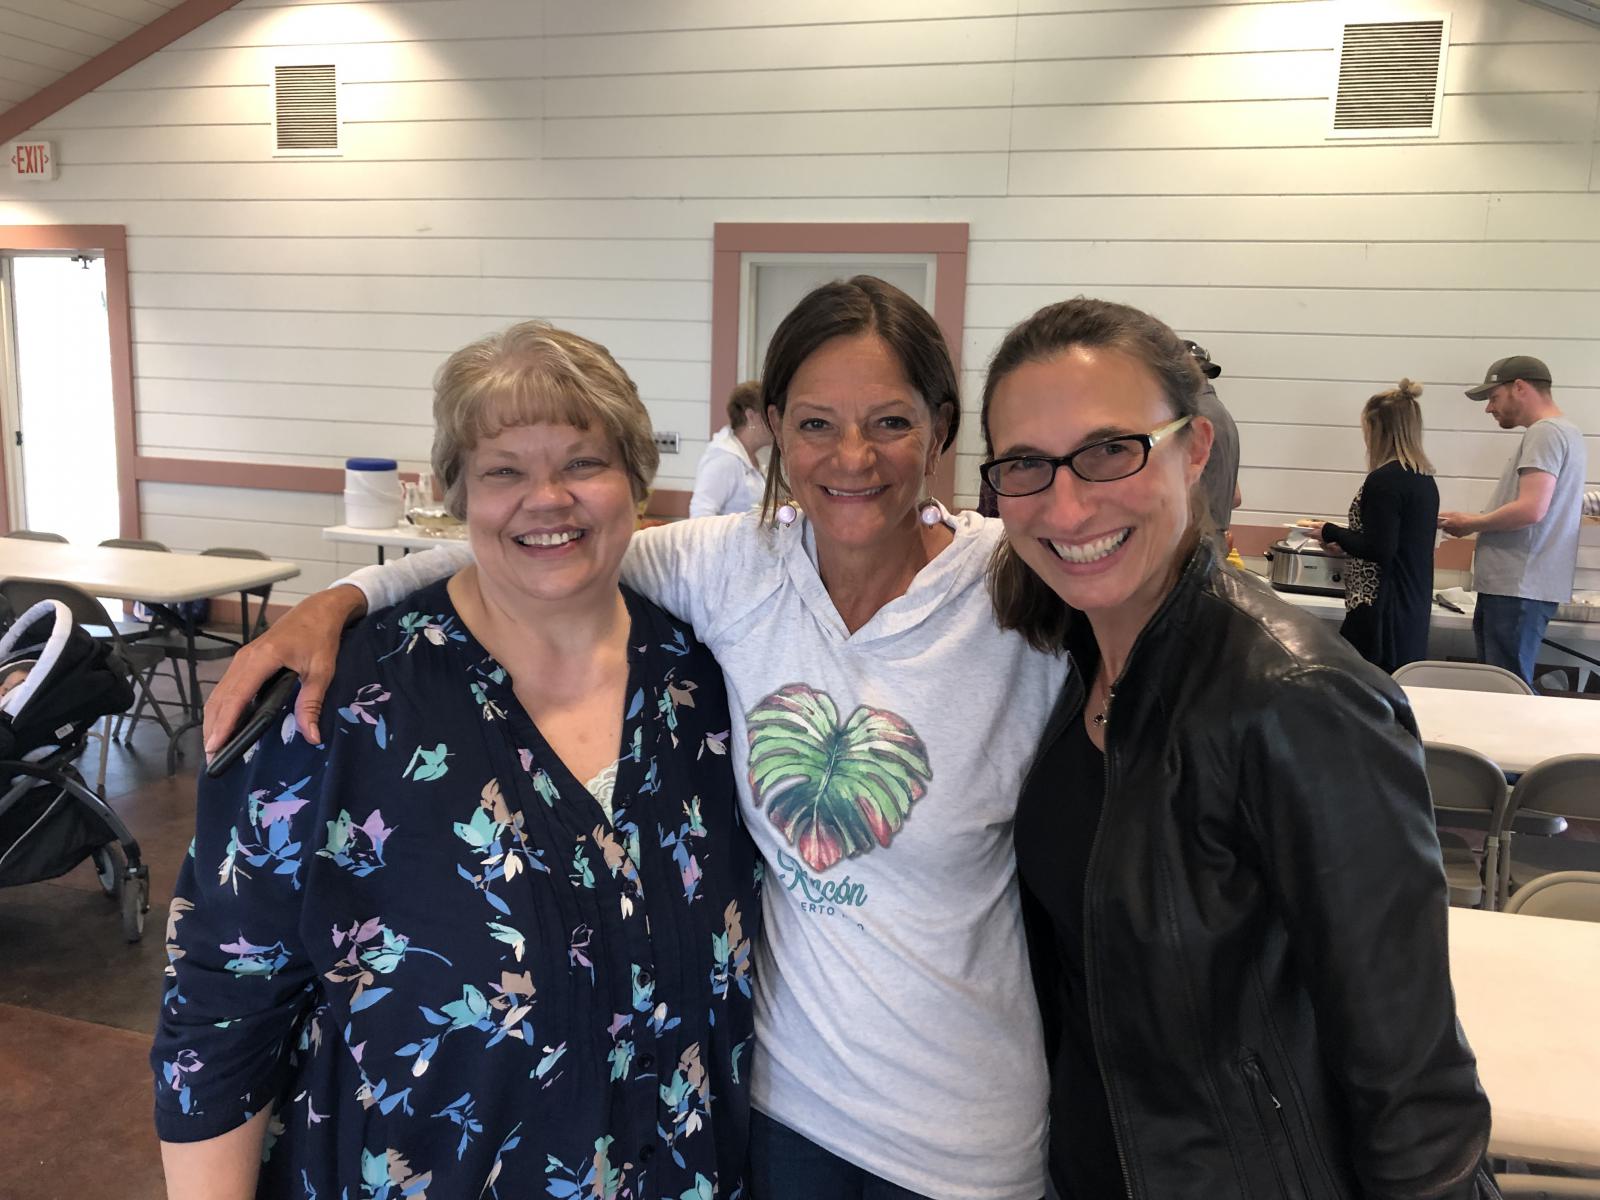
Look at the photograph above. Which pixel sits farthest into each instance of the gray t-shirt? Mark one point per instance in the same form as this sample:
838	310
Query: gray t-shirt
1221	476
1538	561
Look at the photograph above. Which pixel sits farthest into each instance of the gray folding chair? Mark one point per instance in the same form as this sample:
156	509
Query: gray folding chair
1463	676
1568	787
135	630
1469	786
35	535
1569	895
132	629
22	594
248	629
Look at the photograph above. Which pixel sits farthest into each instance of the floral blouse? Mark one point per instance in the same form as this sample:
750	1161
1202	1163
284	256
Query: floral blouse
425	944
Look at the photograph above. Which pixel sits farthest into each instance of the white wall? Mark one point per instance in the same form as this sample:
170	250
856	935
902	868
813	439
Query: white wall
566	159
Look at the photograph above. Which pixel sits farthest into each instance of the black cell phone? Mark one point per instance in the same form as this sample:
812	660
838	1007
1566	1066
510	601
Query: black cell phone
265	707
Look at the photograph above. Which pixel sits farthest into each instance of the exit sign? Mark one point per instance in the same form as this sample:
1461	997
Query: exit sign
32	160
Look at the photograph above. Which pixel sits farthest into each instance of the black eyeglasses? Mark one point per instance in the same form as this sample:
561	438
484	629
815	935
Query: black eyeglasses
1098	462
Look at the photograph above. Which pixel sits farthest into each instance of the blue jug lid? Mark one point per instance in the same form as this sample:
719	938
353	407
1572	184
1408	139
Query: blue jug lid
371	464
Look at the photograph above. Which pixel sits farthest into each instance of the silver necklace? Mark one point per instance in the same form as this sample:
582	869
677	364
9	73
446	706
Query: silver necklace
1099	718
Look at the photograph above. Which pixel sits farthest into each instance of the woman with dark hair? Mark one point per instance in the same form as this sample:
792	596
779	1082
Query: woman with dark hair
1394	524
881	725
728	478
1239	948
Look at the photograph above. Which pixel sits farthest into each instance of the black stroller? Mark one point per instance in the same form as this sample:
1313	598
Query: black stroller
55	682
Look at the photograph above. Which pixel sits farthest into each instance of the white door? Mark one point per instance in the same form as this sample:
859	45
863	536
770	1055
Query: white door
60	439
772	284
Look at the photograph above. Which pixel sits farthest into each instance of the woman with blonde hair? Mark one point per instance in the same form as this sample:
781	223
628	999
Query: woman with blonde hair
1391	535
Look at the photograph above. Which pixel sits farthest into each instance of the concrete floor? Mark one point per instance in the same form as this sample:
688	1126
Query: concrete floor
78	1003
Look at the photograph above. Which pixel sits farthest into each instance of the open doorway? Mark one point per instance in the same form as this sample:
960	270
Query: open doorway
60	440
79	343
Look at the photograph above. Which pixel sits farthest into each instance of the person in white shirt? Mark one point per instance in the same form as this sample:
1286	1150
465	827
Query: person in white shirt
729	479
882	722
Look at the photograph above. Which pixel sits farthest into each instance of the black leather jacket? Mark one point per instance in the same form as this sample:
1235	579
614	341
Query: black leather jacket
1265	930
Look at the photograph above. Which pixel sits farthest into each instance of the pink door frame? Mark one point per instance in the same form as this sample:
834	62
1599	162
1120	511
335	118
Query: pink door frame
947	241
110	241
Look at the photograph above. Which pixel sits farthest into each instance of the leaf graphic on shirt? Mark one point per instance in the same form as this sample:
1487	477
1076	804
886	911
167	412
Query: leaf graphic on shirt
835	790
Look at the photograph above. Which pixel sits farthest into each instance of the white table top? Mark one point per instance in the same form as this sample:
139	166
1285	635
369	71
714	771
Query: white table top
1514	731
138	574
406	536
1332	608
1527	991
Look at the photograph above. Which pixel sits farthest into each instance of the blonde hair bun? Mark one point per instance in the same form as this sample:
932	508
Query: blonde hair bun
1408	389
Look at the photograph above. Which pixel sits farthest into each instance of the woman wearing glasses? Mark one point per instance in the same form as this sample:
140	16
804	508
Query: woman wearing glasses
1238	940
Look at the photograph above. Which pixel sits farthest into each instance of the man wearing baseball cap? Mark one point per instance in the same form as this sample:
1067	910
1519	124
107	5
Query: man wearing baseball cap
1527	550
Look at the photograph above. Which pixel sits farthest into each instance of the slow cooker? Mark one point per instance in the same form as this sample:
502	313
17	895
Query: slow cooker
1304	566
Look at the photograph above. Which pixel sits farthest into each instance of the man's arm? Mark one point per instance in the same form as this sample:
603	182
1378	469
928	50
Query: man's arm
1534	491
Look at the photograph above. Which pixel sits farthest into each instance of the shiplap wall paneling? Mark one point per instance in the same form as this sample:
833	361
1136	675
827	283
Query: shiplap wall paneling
562	159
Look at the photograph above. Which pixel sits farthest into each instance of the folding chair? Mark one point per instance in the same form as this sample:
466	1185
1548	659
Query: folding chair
1464	676
1569	895
248	630
1468	785
34	535
1569	787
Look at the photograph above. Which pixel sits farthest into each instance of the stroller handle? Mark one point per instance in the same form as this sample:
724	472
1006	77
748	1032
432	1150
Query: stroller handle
265	707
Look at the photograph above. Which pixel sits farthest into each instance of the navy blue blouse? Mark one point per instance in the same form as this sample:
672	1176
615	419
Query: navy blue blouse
428	948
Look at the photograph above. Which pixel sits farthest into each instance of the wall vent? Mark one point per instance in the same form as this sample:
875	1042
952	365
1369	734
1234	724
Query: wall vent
305	109
1391	78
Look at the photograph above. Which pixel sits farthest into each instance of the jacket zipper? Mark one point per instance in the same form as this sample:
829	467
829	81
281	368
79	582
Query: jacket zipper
1258	1076
1118	1121
1088	957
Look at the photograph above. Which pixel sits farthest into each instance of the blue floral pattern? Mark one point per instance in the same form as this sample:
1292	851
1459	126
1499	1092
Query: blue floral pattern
424	945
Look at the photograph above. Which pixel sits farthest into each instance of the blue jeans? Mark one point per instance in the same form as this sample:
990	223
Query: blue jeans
1508	629
785	1165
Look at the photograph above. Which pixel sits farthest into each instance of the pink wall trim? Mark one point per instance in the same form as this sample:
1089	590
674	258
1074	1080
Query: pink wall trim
112	242
946	240
108	64
217	473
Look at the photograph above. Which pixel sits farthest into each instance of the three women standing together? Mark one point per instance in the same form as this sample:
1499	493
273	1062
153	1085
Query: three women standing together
1253	983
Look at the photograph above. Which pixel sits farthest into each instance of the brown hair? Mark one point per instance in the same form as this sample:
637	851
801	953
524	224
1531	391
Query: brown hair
863	304
745	398
531	374
1392	422
1022	601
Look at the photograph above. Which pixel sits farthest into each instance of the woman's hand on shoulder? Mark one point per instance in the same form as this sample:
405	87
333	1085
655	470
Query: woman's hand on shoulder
306	640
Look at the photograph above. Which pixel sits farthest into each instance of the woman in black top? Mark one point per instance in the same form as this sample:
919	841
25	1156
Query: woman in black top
1390	539
1228	868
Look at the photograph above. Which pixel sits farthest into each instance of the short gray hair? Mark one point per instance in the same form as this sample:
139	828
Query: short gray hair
532	374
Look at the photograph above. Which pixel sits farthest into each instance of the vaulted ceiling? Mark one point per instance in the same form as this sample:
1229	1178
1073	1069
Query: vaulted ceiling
43	40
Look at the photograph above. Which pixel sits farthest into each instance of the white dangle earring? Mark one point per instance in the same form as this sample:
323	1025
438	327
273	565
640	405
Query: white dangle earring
929	512
788	513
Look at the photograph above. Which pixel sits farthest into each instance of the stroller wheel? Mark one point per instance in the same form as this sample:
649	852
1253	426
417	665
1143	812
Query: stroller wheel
108	867
135	902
